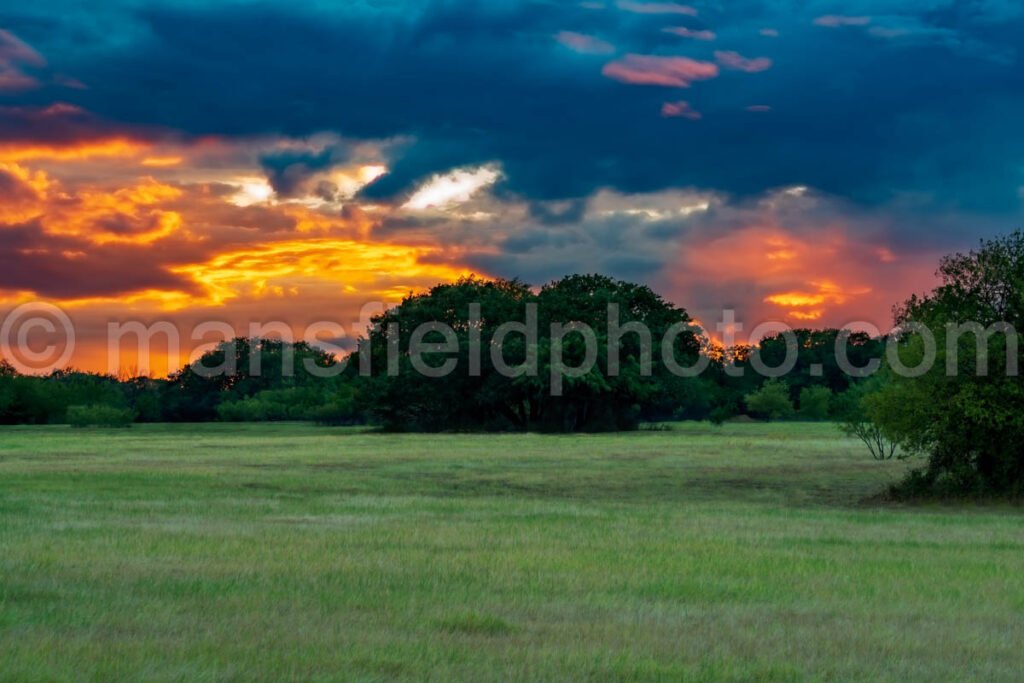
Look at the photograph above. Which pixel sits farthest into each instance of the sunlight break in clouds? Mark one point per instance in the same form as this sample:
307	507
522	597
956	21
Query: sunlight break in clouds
807	305
252	191
132	196
452	188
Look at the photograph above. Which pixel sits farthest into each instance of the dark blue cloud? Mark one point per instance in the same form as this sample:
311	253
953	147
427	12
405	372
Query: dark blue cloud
921	104
289	170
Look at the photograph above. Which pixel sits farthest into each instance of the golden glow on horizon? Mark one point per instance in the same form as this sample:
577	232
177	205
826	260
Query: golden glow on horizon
806	306
114	147
799	277
282	269
177	232
806	315
796	299
162	162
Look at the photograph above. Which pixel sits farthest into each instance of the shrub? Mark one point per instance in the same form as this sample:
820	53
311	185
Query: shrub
719	415
856	410
771	401
246	410
337	412
814	403
99	416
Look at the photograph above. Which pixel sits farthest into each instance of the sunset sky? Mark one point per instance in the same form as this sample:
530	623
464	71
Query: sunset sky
256	161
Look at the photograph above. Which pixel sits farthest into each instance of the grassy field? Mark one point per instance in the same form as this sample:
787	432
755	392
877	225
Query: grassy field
269	552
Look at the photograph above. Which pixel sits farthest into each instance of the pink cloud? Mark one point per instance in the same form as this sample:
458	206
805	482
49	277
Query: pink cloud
690	33
12	80
584	44
655	8
834	20
13	52
734	60
770	32
671	72
680	109
13	49
759	107
68	82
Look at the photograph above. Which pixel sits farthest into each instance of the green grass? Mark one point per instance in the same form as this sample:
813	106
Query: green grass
269	552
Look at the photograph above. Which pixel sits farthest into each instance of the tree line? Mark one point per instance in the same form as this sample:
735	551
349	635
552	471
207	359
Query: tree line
968	424
269	379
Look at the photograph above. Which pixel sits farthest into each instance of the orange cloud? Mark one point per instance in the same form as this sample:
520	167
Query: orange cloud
153	250
376	271
808	315
285	286
806	305
131	214
113	147
824	276
161	162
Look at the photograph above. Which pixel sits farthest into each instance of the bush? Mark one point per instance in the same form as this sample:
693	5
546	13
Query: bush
99	416
719	415
814	403
294	403
246	410
771	401
855	411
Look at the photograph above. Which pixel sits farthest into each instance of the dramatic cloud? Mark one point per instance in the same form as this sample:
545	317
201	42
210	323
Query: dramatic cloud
451	189
63	131
159	160
462	84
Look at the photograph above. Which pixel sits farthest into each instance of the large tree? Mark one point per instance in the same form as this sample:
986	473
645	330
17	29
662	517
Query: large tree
522	387
959	400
